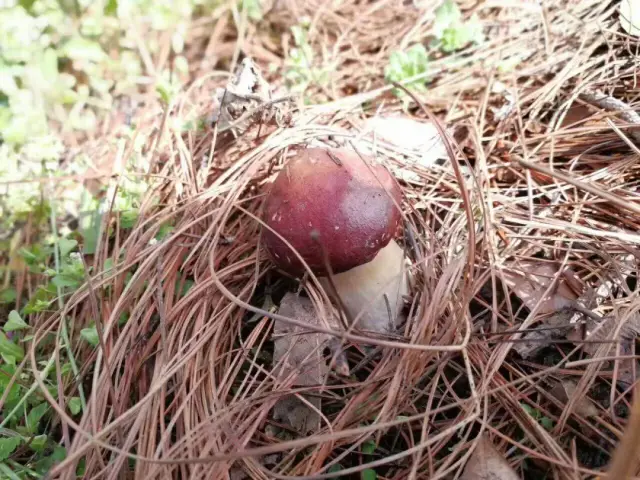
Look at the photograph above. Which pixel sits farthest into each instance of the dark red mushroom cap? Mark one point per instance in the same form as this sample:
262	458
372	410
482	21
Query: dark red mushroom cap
334	196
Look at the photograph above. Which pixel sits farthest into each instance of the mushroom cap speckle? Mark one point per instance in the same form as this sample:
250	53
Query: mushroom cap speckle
347	204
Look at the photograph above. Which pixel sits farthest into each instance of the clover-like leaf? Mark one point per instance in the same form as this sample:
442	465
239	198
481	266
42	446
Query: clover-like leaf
14	322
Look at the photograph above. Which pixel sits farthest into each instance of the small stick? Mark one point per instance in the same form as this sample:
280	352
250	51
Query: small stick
606	102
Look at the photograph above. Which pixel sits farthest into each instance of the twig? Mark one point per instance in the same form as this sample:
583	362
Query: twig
606	102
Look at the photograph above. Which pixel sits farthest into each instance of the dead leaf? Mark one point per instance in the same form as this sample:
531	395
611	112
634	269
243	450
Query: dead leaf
554	327
577	113
486	463
530	279
408	133
418	140
565	389
599	332
246	100
298	352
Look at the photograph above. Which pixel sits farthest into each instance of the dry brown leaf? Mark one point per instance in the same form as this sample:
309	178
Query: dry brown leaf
530	279
406	132
583	406
486	463
598	332
248	98
298	352
419	140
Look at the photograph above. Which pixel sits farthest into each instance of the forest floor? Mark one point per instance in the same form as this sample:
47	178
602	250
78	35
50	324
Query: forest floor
141	344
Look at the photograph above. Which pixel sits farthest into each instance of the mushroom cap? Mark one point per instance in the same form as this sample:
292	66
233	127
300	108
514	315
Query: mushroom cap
330	197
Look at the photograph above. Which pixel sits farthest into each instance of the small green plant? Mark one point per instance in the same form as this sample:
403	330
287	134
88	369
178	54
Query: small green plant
546	422
451	32
253	9
302	68
368	448
407	64
25	414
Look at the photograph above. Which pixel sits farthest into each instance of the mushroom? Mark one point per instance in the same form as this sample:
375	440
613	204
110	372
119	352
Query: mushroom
335	206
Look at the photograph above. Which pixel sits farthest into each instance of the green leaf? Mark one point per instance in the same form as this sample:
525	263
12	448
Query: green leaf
82	467
7	347
59	454
547	423
335	469
66	246
8	296
447	14
186	287
44	465
49	65
454	38
14	395
164	230
8	359
164	93
35	254
75	405
36	305
38	443
368	474
530	410
27	4
474	25
368	447
35	415
65	281
89	229
452	32
82	49
8	446
124	316
90	334
14	322
128	218
408	64
8	473
253	9
111	7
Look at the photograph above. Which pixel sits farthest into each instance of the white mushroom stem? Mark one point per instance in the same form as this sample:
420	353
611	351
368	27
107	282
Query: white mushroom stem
363	290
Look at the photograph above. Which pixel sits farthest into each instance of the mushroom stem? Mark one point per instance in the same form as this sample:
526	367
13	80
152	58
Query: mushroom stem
372	293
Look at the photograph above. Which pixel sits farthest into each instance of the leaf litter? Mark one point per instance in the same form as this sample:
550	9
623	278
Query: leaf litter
565	389
299	354
541	287
188	395
487	463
